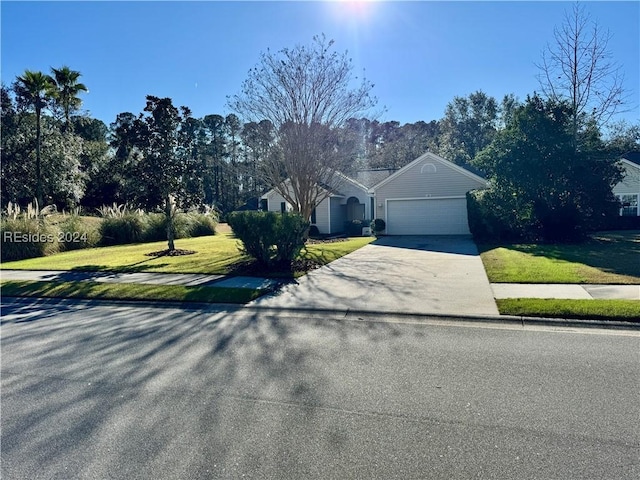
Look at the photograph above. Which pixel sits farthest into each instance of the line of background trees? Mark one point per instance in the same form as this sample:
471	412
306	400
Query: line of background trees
546	155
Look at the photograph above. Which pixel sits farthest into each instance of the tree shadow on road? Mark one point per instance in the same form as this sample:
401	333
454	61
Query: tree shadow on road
89	384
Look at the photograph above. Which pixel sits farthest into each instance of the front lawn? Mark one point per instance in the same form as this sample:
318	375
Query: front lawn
217	254
129	291
624	310
606	258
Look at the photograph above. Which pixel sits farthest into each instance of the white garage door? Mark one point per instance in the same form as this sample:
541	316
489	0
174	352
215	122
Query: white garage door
439	216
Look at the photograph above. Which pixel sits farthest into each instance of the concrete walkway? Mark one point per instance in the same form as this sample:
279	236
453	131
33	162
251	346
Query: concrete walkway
568	291
148	278
499	290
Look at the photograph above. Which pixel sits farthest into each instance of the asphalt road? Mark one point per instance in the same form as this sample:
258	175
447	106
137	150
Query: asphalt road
102	391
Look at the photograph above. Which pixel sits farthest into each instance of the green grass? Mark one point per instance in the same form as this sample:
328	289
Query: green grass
129	291
214	255
217	254
606	258
324	253
624	310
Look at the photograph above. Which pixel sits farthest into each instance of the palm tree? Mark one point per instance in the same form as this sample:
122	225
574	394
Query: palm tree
35	88
67	89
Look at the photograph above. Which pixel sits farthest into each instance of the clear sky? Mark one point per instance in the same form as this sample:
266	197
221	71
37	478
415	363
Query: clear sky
419	55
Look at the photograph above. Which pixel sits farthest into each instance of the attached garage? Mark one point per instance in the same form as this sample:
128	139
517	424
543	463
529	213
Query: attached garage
426	197
427	216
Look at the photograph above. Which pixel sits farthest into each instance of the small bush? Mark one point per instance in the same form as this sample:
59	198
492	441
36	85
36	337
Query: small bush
620	223
378	226
353	228
129	228
273	239
314	232
291	230
23	237
256	231
494	219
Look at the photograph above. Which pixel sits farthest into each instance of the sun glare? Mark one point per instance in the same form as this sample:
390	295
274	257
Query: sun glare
352	9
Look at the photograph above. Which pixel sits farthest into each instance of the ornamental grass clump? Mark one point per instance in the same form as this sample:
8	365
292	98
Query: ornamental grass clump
25	233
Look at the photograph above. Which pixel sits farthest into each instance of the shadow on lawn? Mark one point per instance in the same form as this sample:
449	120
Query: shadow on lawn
611	252
133	268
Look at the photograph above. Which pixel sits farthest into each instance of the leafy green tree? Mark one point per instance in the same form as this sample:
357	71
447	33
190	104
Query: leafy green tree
257	139
62	177
166	167
624	137
33	90
544	187
97	162
468	126
233	128
215	161
66	89
306	93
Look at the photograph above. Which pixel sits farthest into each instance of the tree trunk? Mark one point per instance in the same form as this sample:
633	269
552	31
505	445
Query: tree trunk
168	211
39	196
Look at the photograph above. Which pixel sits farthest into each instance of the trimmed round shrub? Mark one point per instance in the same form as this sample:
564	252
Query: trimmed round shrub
273	239
378	226
314	232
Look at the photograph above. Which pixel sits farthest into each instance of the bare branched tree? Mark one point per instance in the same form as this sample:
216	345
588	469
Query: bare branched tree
306	93
578	67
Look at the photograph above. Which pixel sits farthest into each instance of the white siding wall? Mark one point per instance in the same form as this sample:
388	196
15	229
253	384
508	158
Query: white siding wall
274	200
322	216
631	181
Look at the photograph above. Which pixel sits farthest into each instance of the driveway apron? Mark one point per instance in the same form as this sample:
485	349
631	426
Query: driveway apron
404	274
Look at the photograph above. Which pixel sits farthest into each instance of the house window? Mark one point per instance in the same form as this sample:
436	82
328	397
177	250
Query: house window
283	207
629	205
313	216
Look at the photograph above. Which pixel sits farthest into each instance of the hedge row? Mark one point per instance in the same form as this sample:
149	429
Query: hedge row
24	237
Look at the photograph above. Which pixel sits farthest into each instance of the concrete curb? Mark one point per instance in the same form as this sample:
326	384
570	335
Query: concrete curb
351	315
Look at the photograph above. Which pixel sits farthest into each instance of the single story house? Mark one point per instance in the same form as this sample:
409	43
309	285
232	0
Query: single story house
347	200
425	197
628	190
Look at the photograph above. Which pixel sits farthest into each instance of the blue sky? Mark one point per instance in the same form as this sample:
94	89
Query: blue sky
419	55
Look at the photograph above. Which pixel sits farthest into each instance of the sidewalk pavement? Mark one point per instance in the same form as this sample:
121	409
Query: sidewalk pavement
567	291
149	278
500	290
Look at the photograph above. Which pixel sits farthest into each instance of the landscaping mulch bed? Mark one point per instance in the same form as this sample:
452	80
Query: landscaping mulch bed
250	268
316	241
170	253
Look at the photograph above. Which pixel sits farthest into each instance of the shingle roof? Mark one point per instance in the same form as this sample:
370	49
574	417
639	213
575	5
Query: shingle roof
369	178
632	157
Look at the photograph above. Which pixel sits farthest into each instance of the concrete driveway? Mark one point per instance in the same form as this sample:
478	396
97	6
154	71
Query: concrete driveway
404	274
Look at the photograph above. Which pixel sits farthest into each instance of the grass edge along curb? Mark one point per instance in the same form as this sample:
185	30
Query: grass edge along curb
596	309
128	291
